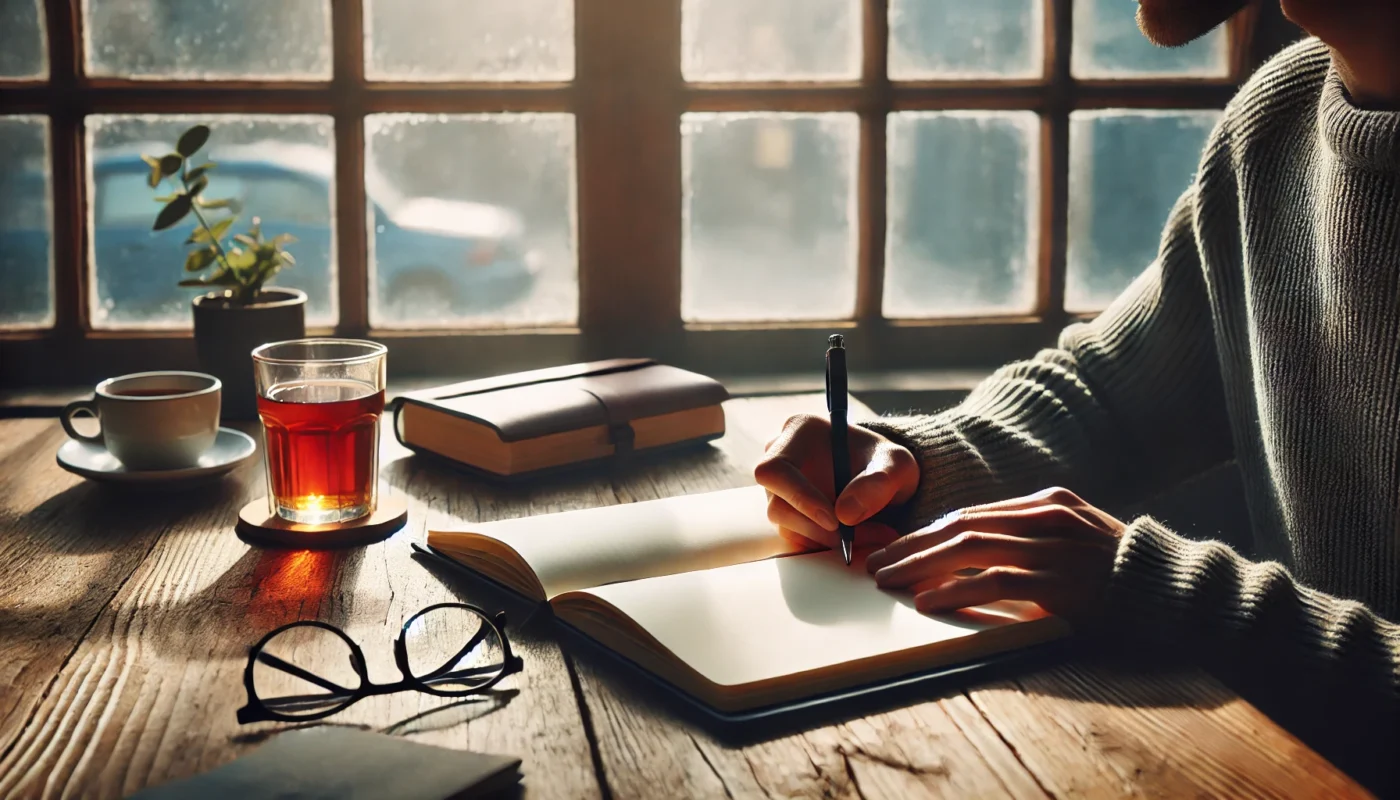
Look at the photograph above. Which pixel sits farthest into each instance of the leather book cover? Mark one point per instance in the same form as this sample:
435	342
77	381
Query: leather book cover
539	403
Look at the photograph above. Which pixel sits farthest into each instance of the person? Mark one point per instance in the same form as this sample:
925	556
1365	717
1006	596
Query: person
1267	332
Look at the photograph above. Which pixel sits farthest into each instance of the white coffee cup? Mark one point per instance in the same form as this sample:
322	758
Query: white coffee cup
153	420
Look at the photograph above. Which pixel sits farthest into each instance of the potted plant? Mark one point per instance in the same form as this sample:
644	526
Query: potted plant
239	311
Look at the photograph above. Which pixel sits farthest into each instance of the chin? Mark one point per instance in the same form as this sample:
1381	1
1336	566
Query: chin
1172	23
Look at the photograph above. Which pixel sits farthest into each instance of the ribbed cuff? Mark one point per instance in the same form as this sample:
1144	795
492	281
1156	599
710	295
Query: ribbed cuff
951	471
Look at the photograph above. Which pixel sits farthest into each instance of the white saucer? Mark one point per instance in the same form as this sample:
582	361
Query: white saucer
89	460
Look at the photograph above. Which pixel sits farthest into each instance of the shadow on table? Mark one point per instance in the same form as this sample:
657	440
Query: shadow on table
457	712
432	479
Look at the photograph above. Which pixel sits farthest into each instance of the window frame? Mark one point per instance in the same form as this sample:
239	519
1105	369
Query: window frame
627	98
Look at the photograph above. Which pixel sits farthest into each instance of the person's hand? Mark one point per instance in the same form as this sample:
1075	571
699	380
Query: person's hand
1051	548
796	471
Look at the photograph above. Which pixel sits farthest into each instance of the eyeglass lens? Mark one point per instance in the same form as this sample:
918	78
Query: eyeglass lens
304	670
453	650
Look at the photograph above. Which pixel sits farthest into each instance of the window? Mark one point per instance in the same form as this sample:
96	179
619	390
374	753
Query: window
488	186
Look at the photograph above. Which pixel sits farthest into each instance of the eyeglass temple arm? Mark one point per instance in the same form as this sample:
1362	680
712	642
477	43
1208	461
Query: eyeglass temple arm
292	669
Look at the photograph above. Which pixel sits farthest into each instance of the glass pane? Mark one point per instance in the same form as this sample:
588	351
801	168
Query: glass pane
1127	168
435	40
961	39
1108	44
472	219
784	40
23	46
26	224
280	169
962	203
208	39
769	227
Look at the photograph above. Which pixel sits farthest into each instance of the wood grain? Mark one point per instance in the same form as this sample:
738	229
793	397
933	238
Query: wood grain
124	623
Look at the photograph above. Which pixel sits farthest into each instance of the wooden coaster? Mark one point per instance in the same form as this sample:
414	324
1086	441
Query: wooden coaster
257	526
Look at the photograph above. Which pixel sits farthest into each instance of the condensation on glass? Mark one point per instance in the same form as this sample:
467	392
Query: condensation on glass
769	216
488	40
208	39
780	40
962	203
472	220
24	52
26	224
1127	169
1108	44
280	169
962	40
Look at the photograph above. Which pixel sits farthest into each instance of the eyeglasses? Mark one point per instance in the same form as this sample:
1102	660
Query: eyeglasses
448	649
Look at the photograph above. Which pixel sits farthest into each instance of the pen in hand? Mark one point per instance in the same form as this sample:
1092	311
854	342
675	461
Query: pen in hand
840	440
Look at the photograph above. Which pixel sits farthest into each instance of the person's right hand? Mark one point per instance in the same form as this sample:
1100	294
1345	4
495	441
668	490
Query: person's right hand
796	471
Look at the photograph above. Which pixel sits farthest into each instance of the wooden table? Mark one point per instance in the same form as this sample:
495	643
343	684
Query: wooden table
125	621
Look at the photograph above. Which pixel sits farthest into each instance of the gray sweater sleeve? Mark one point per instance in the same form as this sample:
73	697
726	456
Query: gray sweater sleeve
1325	667
1141	378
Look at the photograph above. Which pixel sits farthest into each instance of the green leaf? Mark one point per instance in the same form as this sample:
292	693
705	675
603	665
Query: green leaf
173	212
170	164
241	259
198	172
198	186
151	161
283	239
191	140
166	198
244	238
200	259
213	233
153	180
287	258
204	202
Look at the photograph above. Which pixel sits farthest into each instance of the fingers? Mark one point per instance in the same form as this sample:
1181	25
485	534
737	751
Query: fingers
989	586
780	470
974	550
890	476
782	514
1026	519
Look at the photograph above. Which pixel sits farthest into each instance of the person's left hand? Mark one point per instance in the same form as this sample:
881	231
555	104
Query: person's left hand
1050	547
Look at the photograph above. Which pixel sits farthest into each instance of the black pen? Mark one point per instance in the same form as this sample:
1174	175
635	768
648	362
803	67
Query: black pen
840	441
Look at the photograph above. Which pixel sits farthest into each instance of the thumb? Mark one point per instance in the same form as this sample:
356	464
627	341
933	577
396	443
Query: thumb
866	495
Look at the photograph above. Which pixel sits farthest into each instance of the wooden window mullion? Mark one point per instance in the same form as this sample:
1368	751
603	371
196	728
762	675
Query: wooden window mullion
348	102
629	98
1054	161
68	183
870	272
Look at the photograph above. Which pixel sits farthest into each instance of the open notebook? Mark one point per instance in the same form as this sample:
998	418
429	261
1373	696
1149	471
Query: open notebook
703	592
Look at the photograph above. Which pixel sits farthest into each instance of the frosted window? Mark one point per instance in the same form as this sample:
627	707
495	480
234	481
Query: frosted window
278	168
208	39
952	39
769	216
1108	44
1127	168
433	40
26	224
748	40
472	219
961	205
23	47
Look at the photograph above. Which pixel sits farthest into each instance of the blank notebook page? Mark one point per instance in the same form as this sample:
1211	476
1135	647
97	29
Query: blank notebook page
769	619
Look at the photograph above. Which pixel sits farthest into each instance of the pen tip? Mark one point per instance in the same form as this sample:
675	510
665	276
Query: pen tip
846	551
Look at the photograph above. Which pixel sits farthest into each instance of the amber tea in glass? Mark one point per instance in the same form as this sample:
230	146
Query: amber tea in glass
320	401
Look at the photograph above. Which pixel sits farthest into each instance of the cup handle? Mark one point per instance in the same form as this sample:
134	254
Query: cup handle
66	420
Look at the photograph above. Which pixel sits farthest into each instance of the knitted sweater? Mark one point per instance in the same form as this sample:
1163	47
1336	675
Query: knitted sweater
1267	331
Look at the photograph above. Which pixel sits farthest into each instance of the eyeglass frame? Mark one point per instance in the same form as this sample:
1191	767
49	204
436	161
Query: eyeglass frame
256	710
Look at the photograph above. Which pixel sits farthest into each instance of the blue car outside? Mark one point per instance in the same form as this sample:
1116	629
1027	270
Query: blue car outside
432	258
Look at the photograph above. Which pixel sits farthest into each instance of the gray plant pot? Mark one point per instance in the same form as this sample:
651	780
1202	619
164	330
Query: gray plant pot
225	335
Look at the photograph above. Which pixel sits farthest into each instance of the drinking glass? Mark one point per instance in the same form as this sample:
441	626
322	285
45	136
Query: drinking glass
320	401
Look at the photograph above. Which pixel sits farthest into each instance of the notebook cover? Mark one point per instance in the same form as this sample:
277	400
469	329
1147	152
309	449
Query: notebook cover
329	762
